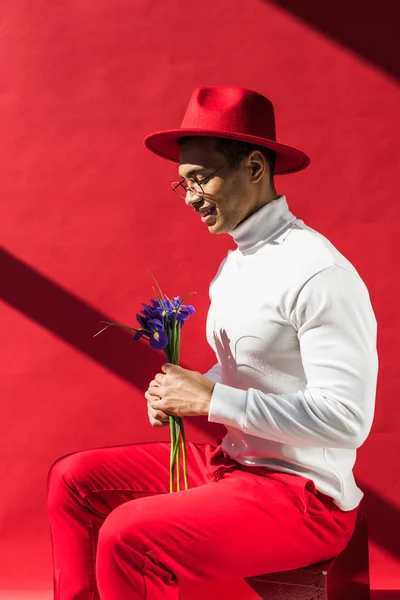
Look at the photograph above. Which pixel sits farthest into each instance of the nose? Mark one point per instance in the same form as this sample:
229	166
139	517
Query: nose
192	198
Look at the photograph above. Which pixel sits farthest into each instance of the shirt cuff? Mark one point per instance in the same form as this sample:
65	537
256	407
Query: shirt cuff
228	406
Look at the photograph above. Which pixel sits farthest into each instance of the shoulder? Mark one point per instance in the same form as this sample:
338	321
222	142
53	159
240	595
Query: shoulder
311	252
317	270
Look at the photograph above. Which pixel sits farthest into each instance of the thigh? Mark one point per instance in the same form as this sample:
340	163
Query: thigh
106	477
238	527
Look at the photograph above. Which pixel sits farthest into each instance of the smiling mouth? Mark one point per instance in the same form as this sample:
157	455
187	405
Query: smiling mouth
209	210
205	213
209	216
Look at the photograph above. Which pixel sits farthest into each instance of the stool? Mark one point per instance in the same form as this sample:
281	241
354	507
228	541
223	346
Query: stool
345	577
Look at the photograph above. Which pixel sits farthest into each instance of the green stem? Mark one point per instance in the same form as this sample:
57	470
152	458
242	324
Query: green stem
172	463
178	462
173	331
169	349
174	444
177	337
185	470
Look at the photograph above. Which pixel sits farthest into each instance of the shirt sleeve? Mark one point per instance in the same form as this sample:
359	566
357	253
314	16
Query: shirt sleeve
336	329
214	374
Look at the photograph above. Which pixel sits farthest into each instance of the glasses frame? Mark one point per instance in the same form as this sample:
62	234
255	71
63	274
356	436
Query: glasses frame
175	184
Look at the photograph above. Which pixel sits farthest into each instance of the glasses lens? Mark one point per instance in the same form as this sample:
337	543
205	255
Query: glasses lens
181	188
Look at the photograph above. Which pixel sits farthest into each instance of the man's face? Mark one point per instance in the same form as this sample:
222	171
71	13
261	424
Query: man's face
226	194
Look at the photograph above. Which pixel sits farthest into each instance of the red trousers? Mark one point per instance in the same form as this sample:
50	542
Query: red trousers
118	534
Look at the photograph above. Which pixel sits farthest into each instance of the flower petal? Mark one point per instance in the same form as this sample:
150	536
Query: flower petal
155	324
185	312
159	340
142	321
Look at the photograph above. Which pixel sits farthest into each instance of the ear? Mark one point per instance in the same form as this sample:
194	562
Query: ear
258	166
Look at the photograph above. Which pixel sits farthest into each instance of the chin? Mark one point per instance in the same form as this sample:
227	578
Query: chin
215	229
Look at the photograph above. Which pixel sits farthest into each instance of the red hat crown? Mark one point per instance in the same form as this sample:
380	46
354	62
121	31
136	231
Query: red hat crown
230	109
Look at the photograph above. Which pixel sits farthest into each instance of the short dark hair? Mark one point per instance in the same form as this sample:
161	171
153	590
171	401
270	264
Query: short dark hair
231	148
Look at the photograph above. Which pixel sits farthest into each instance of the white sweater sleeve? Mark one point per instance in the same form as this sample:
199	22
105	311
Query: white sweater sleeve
336	329
214	374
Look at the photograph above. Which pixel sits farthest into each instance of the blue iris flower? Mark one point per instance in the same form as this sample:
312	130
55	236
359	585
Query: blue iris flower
153	330
174	309
156	316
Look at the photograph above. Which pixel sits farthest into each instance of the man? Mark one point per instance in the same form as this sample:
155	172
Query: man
294	334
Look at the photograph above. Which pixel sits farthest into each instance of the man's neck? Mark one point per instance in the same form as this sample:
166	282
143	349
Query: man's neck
265	199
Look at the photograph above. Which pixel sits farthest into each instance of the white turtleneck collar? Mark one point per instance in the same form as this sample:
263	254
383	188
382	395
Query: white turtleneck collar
262	225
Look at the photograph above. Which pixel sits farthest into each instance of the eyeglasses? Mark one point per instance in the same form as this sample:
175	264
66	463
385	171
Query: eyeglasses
195	187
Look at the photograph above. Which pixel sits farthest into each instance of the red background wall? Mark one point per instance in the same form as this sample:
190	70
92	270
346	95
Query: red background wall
86	210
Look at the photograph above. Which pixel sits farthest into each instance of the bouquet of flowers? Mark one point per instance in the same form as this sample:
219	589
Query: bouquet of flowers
160	324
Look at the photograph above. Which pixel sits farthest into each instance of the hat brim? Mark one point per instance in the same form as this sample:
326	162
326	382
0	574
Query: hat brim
165	144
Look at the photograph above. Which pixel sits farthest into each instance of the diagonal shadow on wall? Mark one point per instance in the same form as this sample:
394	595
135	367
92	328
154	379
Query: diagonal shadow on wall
369	29
75	321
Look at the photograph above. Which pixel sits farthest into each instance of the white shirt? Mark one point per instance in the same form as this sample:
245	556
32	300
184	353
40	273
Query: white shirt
294	333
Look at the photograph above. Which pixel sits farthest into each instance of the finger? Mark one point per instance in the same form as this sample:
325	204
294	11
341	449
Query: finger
171	368
156	403
155	423
159	378
159	415
150	397
155	391
157	418
160	405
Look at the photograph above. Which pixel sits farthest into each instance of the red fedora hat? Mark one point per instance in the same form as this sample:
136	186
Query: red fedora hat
229	112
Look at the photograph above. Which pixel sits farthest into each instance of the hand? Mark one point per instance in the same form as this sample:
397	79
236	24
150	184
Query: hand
157	418
181	392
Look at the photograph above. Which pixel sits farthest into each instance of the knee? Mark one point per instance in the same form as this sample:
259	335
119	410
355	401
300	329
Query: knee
61	479
111	534
127	526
